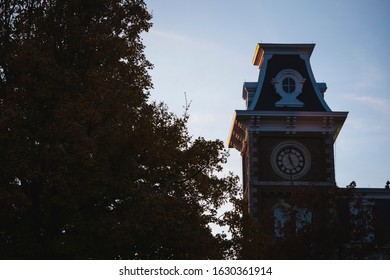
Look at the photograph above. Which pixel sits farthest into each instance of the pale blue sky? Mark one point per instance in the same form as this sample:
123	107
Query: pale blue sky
205	48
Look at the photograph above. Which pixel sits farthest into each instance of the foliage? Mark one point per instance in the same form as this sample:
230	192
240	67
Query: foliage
320	223
89	168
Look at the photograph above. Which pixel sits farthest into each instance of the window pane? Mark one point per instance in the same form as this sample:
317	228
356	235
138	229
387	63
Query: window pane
288	85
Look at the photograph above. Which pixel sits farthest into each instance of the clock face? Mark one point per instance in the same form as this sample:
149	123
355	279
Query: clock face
290	160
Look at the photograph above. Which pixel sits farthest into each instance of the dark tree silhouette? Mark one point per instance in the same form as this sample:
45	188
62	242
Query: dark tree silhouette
318	223
89	167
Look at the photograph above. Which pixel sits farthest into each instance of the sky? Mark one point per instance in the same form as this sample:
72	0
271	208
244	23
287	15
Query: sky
203	50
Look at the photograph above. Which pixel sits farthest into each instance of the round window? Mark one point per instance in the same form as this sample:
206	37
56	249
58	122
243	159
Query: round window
288	85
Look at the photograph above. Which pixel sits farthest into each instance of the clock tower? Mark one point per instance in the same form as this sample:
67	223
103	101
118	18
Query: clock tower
287	131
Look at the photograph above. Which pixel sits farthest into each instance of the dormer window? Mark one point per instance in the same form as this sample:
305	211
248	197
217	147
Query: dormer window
288	84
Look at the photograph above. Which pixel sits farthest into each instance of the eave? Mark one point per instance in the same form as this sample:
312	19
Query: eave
289	122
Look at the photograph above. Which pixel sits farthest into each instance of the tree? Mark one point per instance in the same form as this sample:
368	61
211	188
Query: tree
89	167
314	223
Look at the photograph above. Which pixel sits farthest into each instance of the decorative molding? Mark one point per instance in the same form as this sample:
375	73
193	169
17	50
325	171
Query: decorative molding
288	83
288	122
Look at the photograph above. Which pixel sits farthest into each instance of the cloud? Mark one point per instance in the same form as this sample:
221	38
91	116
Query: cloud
378	103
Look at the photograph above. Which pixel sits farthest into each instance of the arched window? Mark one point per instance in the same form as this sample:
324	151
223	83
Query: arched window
281	217
283	213
303	218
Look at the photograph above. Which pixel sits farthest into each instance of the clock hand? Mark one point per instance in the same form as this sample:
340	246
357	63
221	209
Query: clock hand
291	162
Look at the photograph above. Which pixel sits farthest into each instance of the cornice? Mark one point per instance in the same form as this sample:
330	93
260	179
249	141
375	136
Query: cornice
288	122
